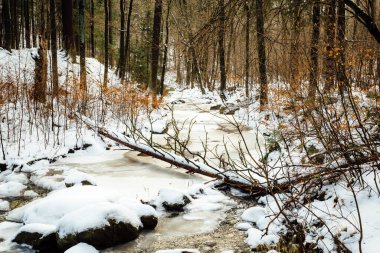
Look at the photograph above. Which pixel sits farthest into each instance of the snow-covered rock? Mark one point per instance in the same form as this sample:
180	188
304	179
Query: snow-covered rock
256	237
11	189
61	202
90	214
146	213
39	236
172	200
243	226
256	215
4	205
74	177
102	225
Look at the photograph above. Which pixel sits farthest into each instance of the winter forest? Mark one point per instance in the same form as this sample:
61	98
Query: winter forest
190	126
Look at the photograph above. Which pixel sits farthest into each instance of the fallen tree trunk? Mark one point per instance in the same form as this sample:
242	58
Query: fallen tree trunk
227	177
178	161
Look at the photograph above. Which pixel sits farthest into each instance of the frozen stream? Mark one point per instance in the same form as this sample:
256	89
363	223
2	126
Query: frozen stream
140	177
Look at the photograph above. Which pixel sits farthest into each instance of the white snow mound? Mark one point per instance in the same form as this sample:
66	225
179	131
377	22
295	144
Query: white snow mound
82	248
96	216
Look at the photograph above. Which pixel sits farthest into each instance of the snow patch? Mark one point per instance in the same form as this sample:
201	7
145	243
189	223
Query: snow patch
82	248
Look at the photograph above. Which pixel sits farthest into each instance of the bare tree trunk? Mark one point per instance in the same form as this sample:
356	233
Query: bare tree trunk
14	24
179	78
128	35
27	23
82	53
166	46
53	37
121	63
155	44
7	25
330	33
247	53
40	70
295	47
33	24
67	27
110	35
261	53
92	28
222	62
365	19
314	50
106	40
341	44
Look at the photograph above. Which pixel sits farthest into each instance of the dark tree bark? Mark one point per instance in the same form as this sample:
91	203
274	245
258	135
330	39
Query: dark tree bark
14	24
121	62
106	40
33	24
341	46
110	34
166	46
82	54
295	46
53	38
7	25
1	29
314	50
128	35
330	36
222	61
155	44
67	27
92	28
27	23
41	66
247	53
367	20
261	53
110	21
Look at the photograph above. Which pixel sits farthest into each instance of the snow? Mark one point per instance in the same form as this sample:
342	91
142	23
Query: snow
59	203
96	216
139	208
171	196
74	177
256	215
244	226
82	248
17	66
7	232
10	176
256	237
4	205
42	229
30	193
11	189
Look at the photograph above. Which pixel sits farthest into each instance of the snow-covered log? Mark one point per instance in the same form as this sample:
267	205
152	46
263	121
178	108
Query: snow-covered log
229	178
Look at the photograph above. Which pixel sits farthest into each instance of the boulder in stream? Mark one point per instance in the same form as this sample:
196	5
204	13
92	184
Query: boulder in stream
172	200
146	213
102	225
41	237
